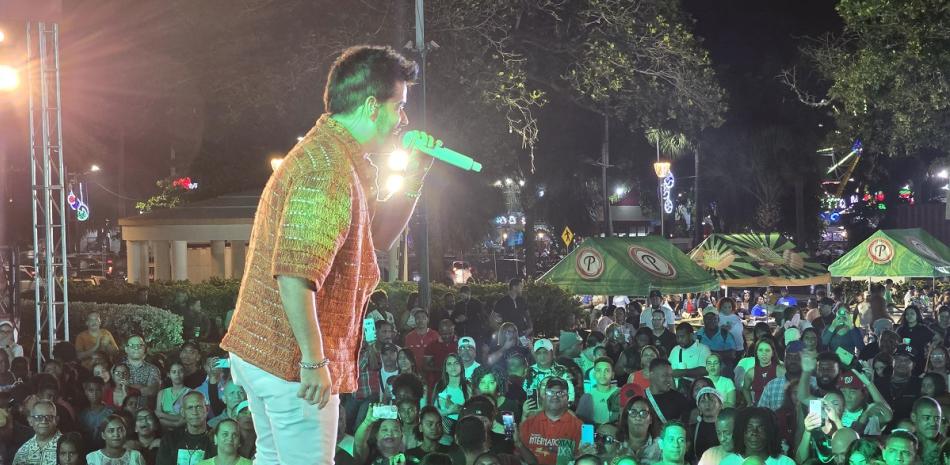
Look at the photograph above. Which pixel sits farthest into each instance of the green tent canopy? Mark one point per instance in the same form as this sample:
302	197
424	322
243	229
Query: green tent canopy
631	266
757	260
908	253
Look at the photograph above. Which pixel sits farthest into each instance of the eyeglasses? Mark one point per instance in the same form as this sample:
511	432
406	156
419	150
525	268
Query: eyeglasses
634	413
43	418
135	346
556	394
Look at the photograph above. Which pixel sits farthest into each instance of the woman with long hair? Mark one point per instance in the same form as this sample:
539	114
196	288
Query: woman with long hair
451	391
406	363
504	342
69	450
493	383
911	326
639	378
765	369
148	435
841	333
113	433
723	384
868	452
639	429
933	385
811	340
937	361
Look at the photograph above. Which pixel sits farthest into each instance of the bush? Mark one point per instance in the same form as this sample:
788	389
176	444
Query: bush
217	295
161	328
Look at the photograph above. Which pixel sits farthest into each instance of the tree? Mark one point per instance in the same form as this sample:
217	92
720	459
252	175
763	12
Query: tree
886	76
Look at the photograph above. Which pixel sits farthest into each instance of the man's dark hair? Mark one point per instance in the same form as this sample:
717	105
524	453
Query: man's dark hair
513	282
94	380
436	458
470	434
365	71
381	323
411	382
670	424
828	357
377	295
773	445
922	401
685	327
606	360
657	362
135	335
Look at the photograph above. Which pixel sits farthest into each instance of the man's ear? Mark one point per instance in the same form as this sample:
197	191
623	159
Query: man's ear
371	107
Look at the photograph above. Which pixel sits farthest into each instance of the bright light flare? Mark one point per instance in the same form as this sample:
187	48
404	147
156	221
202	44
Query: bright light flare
275	163
394	183
9	78
398	160
94	168
2	35
619	191
943	174
508	181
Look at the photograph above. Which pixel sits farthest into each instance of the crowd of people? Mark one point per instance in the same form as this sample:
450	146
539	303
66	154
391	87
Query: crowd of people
685	379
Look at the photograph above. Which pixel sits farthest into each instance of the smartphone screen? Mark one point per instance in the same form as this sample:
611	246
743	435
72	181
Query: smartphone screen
369	330
587	434
508	419
814	406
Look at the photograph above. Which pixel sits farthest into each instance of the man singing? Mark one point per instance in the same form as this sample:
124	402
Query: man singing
294	337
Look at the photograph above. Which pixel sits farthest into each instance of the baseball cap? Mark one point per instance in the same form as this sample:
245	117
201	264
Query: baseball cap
795	347
848	380
710	309
656	293
709	390
792	335
466	341
905	350
478	405
543	344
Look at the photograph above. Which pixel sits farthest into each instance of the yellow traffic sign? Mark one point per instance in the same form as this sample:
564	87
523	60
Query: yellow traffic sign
567	236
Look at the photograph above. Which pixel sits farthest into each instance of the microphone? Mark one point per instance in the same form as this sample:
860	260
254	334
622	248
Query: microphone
414	140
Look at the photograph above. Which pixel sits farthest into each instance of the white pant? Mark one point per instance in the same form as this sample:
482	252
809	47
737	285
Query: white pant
290	431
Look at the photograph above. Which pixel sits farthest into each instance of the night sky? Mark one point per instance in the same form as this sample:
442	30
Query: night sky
109	53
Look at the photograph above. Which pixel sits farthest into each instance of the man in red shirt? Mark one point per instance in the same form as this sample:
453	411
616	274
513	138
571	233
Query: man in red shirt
421	337
551	437
437	351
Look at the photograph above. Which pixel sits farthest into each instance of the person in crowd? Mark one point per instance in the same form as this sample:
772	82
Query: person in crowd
92	417
639	428
904	386
718	339
668	404
512	307
190	441
483	408
407	412
656	302
864	415
545	367
673	443
786	299
942	328
842	333
606	319
451	391
368	365
388	369
467	353
863	452
826	314
811	339
143	376
9	340
114	432
723	384
121	388
193	370
732	324
506	343
41	448
168	403
725	424
69	450
406	364
688	358
378	441
900	448
886	343
13	432
774	392
601	404
227	441
234	395
702	430
473	441
765	369
420	337
430	425
927	417
555	431
756	435
911	326
48	389
469	317
760	309
245	423
148	435
629	360
493	383
437	351
661	332
94	339
621	320
937	360
379	307
933	385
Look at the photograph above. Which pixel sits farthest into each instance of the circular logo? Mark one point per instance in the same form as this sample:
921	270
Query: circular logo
881	251
589	263
651	262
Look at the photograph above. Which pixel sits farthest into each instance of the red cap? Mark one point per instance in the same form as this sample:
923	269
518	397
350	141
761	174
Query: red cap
848	380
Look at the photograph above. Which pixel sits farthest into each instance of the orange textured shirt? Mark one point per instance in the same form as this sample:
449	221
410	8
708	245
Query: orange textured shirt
313	222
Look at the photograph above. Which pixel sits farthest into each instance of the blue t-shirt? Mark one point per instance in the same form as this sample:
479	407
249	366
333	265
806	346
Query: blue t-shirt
788	301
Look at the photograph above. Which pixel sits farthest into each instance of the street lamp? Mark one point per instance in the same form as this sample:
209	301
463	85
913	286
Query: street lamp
943	174
661	168
94	168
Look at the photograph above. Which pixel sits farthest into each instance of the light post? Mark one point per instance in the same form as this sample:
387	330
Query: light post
662	170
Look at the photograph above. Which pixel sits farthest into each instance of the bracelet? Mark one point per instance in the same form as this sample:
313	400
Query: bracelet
314	366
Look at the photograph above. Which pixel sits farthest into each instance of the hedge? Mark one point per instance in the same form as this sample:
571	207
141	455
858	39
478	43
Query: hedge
162	329
549	305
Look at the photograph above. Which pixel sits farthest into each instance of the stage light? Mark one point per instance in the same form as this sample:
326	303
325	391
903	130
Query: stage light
943	174
508	181
398	160
275	163
521	182
2	35
9	79
394	183
619	191
94	168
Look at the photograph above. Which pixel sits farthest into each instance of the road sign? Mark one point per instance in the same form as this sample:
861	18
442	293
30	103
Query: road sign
567	236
